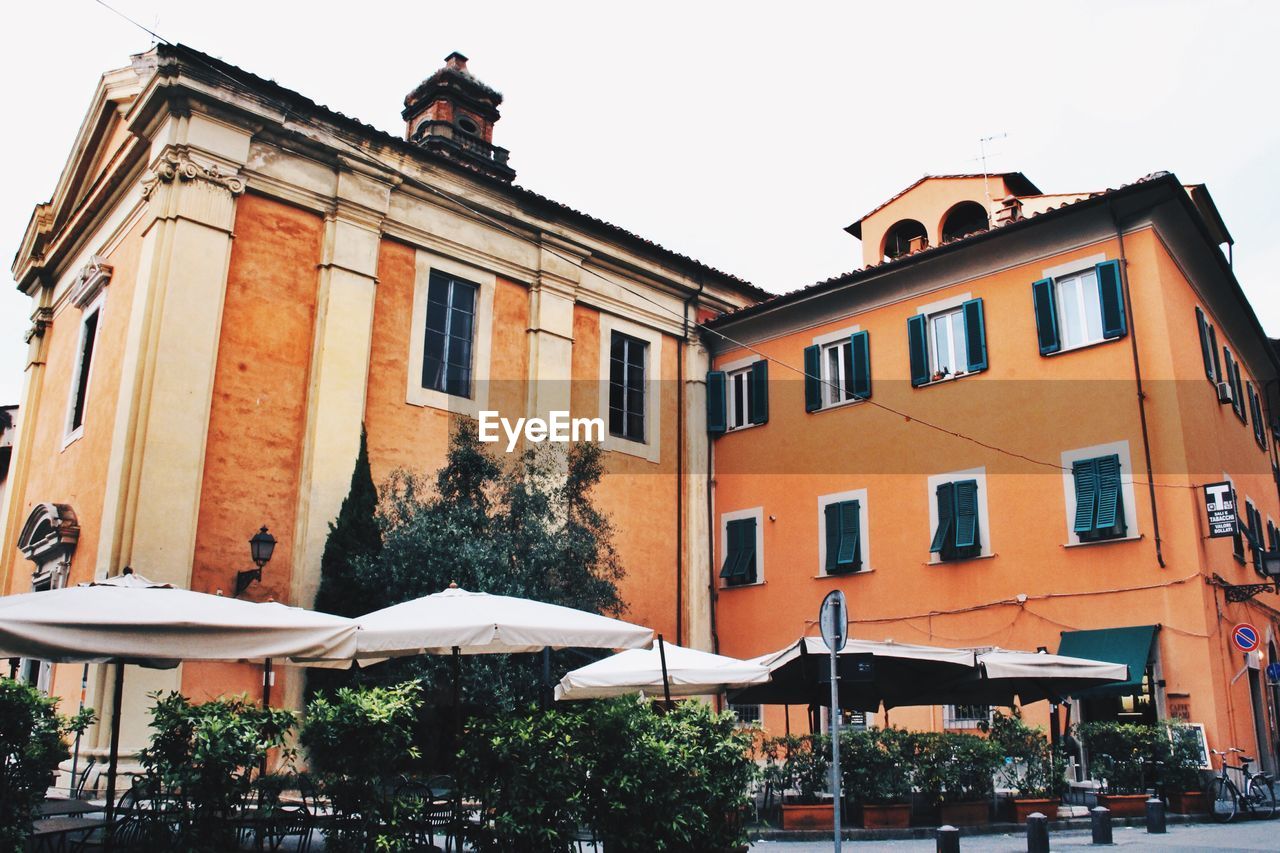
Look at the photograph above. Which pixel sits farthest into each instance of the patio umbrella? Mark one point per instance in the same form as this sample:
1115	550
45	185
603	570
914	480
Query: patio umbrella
871	674
689	672
1034	676
130	620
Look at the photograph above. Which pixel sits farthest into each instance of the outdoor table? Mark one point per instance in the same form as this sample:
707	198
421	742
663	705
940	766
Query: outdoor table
51	834
65	806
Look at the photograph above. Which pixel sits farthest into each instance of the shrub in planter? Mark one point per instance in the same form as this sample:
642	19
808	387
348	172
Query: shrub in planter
1184	779
1123	753
202	757
877	779
1031	768
32	742
358	741
956	772
801	763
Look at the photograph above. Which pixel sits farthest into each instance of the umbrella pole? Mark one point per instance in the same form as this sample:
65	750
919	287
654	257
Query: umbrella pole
267	677
117	696
666	679
75	755
457	699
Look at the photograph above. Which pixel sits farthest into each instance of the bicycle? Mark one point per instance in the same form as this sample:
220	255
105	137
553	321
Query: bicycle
1225	799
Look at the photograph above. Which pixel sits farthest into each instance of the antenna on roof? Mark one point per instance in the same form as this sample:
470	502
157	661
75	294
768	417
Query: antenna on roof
986	183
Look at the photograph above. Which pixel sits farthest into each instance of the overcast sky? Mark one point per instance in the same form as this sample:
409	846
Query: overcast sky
744	135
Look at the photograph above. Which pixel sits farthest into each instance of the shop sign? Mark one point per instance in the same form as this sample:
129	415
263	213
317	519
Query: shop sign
1220	504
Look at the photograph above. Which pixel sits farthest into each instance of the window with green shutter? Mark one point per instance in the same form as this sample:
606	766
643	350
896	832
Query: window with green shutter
717	411
1237	538
843	537
841	374
1232	378
1079	309
1255	414
958	534
947	343
740	553
746	397
1099	499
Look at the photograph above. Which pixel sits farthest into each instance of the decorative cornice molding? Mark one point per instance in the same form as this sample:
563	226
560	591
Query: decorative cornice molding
92	279
177	164
41	319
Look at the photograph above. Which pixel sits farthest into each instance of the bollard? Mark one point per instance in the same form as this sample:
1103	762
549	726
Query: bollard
1155	816
948	839
1100	816
1037	833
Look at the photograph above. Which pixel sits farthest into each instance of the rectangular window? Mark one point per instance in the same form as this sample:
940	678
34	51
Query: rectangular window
842	521
1237	538
446	350
837	372
80	386
1234	389
1099	502
966	716
748	715
1253	533
740	552
627	357
1079	309
958	535
948	344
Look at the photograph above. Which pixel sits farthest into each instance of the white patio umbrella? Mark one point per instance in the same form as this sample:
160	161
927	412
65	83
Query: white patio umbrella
130	620
1035	676
689	672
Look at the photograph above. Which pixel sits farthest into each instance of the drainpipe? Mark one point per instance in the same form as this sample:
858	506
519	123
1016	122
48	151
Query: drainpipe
1142	396
680	451
712	592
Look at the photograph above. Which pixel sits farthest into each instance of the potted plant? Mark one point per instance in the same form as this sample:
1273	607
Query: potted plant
1032	770
956	772
803	764
1184	774
876	779
1121	755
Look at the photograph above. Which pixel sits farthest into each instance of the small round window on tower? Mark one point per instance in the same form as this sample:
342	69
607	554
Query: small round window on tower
468	125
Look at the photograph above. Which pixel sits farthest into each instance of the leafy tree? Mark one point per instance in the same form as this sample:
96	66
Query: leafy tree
32	742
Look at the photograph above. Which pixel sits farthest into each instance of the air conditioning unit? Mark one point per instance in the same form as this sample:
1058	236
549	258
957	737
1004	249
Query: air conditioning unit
1224	392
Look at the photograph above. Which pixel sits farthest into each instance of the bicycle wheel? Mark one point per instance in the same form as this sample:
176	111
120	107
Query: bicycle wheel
1262	798
1222	800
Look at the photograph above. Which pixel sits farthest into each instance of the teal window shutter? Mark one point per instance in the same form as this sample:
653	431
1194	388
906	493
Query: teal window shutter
740	561
967	535
1111	297
831	515
860	347
717	407
1206	348
1213	345
747	565
758	404
917	343
812	378
1110	508
849	554
1046	316
1085	474
1237	538
1233	379
732	551
975	333
946	518
1272	541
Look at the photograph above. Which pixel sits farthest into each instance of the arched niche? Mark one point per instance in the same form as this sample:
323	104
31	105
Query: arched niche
966	217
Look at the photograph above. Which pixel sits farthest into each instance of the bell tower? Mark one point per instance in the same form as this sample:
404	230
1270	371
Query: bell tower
452	114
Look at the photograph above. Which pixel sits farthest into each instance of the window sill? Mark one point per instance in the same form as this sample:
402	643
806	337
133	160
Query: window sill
823	576
843	404
732	430
639	449
1078	347
962	560
723	586
1137	538
72	437
944	380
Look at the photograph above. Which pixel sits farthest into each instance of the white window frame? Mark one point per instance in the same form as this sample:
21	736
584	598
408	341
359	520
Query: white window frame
1080	278
730	370
758	721
481	336
984	517
832	385
864	536
757	513
949	305
650	448
1120	449
72	433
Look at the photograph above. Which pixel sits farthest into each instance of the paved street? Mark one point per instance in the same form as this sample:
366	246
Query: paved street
1249	835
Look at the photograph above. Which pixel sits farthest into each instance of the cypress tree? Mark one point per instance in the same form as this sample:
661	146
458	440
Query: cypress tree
353	536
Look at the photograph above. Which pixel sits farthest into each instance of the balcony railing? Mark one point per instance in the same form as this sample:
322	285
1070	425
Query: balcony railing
449	135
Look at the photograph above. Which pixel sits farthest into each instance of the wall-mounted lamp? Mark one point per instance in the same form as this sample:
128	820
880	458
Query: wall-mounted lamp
261	547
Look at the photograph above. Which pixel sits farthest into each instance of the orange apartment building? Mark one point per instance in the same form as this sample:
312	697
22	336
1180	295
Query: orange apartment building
996	433
230	279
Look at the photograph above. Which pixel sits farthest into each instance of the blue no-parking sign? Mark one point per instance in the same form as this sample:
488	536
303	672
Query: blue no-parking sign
1245	636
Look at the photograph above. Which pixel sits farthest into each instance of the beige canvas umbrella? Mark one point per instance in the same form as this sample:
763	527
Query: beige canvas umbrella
130	620
688	672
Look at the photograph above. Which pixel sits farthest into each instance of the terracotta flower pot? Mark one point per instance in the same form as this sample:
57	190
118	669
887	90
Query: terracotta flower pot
974	813
1124	805
895	816
1022	808
1188	802
819	816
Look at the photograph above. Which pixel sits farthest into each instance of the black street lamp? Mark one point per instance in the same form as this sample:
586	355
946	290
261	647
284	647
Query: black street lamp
261	547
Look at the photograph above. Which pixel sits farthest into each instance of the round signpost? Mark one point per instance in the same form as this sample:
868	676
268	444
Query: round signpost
833	620
1245	636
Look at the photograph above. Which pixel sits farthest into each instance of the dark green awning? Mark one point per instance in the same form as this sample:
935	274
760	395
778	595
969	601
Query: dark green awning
1129	646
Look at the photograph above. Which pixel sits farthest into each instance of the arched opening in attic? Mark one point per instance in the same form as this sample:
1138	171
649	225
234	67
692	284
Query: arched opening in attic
904	237
964	218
